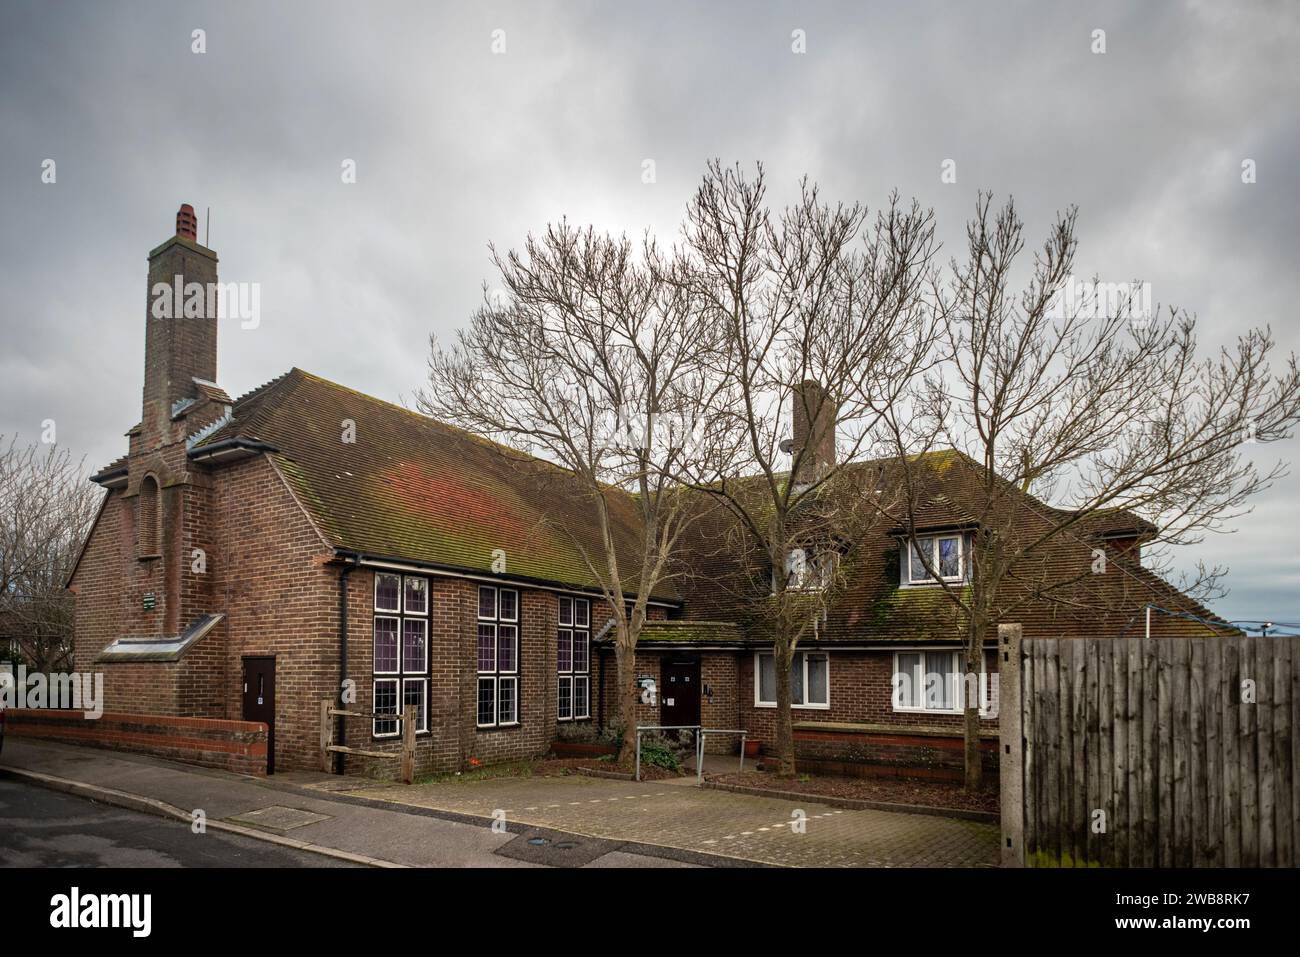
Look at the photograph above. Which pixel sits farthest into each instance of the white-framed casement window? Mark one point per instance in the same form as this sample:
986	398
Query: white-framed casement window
806	570
401	650
498	657
946	554
573	660
934	681
810	680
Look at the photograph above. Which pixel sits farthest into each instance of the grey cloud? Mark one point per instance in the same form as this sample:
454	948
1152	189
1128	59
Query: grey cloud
457	148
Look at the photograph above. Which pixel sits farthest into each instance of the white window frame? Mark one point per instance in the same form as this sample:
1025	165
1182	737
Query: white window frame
396	609
497	676
423	670
759	703
397	652
959	695
933	542
818	568
421	712
396	682
578	628
406	611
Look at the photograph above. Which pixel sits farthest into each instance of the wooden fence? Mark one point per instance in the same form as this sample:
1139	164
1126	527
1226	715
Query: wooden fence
405	757
1150	752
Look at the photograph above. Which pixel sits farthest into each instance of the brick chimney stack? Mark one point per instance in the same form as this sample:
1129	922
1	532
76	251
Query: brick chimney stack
814	415
180	326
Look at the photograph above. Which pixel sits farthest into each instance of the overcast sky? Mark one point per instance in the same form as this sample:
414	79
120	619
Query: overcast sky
457	145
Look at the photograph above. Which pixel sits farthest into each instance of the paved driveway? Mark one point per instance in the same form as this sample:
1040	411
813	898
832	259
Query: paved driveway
763	829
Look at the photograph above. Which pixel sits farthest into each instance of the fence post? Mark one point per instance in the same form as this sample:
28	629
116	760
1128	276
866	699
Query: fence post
408	744
1011	746
326	736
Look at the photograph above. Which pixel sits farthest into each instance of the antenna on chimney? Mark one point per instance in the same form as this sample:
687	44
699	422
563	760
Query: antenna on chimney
207	229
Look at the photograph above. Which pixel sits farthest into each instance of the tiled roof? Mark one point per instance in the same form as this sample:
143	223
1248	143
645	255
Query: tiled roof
874	606
116	465
691	632
411	488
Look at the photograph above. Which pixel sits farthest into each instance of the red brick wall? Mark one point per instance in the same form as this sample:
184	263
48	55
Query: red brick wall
919	755
861	693
264	571
722	709
455	737
280	600
231	745
717	673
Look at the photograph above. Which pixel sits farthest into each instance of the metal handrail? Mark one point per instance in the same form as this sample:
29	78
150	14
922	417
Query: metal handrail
703	732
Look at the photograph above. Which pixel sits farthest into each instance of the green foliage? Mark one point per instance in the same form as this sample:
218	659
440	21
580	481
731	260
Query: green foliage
661	751
660	756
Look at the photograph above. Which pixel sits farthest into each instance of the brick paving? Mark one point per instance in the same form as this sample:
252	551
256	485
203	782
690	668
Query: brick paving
716	822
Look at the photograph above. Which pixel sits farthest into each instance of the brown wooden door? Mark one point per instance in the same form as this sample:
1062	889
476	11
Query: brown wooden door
259	700
679	692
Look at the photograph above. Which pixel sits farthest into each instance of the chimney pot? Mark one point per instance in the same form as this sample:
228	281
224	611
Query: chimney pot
187	224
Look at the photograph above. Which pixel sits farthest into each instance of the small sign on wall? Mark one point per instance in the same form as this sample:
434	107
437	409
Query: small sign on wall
149	601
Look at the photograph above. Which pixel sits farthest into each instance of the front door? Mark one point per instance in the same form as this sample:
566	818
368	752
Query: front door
259	700
679	692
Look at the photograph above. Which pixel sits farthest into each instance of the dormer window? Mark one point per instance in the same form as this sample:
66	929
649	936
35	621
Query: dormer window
946	555
806	571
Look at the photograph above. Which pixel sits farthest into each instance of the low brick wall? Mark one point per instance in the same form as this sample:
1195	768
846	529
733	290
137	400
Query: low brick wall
580	749
866	750
230	745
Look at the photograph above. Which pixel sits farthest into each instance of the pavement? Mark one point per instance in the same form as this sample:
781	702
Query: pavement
572	821
311	813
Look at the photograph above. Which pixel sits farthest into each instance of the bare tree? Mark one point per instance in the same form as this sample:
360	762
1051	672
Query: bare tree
591	359
822	310
1079	412
46	507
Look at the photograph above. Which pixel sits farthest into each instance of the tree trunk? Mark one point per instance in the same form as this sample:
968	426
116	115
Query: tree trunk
974	658
782	655
626	698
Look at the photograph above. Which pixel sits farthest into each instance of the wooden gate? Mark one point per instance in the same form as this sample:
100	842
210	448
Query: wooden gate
1149	752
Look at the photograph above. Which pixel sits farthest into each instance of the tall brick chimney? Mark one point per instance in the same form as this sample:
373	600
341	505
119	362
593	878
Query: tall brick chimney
814	415
181	332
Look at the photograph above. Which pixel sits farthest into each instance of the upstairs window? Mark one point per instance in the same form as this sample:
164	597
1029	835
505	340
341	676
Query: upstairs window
148	519
806	571
946	555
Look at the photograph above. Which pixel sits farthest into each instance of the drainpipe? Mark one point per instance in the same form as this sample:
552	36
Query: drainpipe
1148	622
603	653
340	732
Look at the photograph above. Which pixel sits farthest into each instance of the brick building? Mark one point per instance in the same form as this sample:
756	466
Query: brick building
253	556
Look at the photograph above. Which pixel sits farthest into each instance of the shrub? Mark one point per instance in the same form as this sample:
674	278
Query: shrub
662	751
